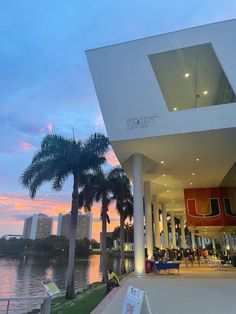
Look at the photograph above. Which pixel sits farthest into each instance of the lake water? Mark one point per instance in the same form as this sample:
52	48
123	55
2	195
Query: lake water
22	277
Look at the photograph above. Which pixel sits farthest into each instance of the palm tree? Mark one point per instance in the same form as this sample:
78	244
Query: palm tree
121	190
98	188
57	159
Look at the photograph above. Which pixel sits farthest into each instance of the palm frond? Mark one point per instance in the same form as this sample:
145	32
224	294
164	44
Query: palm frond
36	174
108	219
121	190
98	143
59	157
60	177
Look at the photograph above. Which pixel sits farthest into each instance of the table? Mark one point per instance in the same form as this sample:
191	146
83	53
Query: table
167	266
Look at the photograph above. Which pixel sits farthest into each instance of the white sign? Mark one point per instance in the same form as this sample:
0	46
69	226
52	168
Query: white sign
136	302
51	287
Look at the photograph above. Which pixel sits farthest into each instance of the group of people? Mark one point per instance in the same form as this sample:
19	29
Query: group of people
188	255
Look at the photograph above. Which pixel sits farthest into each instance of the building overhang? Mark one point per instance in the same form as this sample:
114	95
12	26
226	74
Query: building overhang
140	84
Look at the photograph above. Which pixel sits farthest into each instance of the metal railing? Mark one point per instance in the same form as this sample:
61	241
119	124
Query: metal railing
6	308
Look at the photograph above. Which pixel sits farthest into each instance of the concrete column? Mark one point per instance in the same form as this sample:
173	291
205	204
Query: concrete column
148	218
183	240
227	244
139	257
203	243
198	241
213	245
231	242
234	245
173	235
165	228
223	245
193	239
156	222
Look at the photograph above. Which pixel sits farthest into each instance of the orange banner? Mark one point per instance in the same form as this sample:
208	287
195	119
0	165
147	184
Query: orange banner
210	206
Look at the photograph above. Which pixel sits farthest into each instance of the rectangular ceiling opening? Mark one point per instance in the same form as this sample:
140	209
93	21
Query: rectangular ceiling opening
191	77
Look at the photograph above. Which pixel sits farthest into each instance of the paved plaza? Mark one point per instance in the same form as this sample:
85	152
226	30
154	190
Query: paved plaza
197	290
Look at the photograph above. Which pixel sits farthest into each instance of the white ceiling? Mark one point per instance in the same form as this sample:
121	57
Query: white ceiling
216	151
205	74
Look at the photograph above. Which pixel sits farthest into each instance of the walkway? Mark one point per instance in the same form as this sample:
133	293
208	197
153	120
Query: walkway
197	290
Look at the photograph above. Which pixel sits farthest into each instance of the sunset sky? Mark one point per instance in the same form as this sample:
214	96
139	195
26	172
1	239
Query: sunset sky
46	87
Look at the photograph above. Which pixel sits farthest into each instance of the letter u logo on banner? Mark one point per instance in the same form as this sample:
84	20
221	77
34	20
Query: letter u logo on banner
193	210
228	208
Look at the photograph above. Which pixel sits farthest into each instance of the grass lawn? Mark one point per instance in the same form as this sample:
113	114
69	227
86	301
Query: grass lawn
83	304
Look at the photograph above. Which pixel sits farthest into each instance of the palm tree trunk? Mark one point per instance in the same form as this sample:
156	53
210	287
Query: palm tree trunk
70	290
122	253
104	245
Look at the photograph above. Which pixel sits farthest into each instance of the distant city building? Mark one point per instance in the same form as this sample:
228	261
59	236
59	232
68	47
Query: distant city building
37	226
11	236
84	226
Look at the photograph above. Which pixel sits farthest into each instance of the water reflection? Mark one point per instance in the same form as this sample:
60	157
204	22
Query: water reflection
94	273
81	275
23	277
8	269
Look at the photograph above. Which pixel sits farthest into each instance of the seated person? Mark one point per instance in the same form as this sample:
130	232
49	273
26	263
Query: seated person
163	260
152	264
113	280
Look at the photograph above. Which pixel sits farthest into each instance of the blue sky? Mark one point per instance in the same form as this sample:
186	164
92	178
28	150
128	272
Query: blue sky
45	84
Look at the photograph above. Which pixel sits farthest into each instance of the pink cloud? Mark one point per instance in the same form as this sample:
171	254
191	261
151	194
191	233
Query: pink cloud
47	128
15	207
26	146
111	158
21	203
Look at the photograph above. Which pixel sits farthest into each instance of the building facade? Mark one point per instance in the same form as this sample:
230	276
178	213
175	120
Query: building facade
12	236
172	126
84	226
38	226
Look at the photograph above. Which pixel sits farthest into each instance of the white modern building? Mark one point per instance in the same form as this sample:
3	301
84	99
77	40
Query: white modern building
37	226
84	226
12	236
169	106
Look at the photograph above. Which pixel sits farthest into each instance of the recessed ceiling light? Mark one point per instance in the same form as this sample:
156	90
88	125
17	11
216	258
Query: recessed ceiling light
163	175
168	191
175	108
186	74
162	161
197	159
193	173
205	92
191	183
